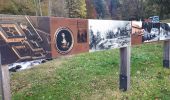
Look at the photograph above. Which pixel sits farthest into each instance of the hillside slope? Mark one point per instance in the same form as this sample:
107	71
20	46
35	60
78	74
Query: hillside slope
95	76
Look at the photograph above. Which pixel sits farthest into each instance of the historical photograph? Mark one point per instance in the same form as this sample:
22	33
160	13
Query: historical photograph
151	32
108	34
24	38
69	36
137	33
82	36
64	40
82	31
165	31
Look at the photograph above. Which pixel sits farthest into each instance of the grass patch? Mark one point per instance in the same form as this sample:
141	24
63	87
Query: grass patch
95	76
166	21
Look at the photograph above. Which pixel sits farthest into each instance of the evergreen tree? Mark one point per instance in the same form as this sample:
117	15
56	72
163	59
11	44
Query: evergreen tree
99	6
132	9
113	8
163	7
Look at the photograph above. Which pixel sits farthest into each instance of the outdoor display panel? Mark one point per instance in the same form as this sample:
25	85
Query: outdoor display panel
24	38
109	34
68	36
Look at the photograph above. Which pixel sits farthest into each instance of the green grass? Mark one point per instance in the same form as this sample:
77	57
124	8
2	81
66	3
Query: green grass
95	76
166	21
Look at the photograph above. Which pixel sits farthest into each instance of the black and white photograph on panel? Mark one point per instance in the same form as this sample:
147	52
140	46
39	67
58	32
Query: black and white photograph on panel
109	34
151	32
165	31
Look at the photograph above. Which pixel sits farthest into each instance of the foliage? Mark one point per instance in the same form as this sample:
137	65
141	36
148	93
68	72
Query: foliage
113	8
20	8
91	12
132	9
95	76
150	9
76	8
58	8
163	7
24	7
101	9
99	6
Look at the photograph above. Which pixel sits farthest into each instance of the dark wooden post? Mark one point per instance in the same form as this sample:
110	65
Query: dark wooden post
4	82
166	54
125	68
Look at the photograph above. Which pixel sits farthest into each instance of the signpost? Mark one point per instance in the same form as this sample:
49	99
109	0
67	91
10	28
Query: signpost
166	54
124	68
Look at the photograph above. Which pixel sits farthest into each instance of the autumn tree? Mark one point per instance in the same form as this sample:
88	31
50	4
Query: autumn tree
91	12
76	8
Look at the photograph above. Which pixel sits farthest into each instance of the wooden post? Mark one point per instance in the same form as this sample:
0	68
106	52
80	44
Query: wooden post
124	83
166	54
1	86
1	90
4	82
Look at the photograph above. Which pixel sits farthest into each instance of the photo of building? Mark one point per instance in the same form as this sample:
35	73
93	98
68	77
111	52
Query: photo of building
24	38
137	32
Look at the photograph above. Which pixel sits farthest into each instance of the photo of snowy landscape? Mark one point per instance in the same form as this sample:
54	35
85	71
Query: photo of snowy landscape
165	31
151	32
109	34
137	33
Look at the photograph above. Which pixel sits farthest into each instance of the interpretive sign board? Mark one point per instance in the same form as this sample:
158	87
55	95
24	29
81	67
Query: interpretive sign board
24	38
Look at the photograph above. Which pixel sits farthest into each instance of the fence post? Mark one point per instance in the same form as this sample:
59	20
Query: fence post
166	54
124	83
4	82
